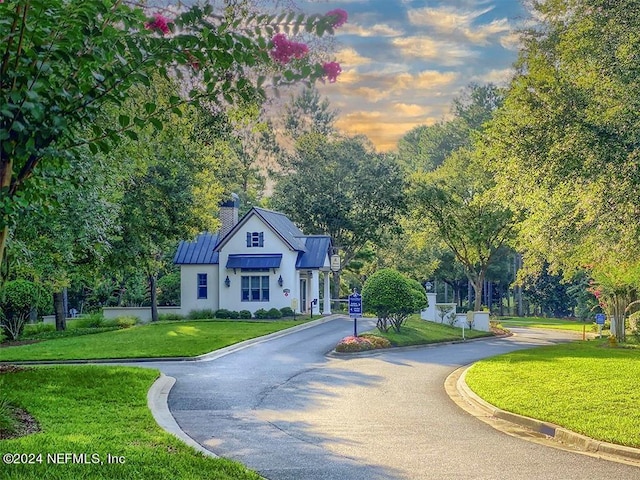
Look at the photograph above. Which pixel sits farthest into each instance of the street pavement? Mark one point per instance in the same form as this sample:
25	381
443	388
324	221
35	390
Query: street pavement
287	410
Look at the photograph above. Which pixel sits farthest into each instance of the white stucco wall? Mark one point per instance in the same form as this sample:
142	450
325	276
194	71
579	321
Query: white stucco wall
189	288
231	297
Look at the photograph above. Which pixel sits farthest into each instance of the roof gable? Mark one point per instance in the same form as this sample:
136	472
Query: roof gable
316	254
278	222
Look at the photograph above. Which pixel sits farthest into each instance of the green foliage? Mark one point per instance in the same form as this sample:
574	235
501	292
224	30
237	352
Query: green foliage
341	188
456	200
17	298
126	322
287	312
61	399
171	339
8	421
244	314
274	313
206	313
169	289
37	328
391	296
93	320
170	317
261	314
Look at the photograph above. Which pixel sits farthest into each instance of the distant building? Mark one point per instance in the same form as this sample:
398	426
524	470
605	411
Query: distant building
260	261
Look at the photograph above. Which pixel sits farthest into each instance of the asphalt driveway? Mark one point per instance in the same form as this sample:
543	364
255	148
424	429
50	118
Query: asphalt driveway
285	409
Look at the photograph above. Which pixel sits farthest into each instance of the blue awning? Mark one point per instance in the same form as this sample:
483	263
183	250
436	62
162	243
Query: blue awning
254	261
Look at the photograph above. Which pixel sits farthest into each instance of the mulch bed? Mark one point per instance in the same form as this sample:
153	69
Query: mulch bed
26	423
17	343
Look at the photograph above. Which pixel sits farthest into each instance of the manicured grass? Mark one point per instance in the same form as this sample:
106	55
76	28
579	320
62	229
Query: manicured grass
420	332
552	323
588	387
164	339
99	410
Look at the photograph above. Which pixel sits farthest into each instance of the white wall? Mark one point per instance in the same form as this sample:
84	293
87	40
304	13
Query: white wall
189	288
230	297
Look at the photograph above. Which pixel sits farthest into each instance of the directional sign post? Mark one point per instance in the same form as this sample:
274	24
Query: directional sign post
355	310
600	318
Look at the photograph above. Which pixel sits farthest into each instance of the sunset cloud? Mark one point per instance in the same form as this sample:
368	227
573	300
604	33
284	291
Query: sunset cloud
377	30
444	52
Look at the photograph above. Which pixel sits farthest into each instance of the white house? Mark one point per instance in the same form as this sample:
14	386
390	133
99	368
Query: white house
260	261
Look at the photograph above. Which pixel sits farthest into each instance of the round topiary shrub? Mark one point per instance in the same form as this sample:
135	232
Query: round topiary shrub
223	313
261	314
245	314
392	297
274	313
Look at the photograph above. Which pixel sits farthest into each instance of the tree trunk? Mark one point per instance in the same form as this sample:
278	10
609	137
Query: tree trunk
153	280
58	304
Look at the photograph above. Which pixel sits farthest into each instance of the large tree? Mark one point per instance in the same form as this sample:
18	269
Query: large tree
341	188
456	201
565	145
62	62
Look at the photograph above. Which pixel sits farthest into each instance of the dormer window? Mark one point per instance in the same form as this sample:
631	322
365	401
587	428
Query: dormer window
255	239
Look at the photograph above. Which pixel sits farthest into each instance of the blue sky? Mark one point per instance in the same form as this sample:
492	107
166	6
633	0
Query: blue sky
404	61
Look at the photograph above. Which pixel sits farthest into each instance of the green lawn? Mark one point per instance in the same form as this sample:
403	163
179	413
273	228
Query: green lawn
587	387
420	332
164	339
552	323
99	411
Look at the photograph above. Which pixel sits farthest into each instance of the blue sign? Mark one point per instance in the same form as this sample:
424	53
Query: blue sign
600	318
355	305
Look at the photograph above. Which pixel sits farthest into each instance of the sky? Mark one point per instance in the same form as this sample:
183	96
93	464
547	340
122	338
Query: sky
404	61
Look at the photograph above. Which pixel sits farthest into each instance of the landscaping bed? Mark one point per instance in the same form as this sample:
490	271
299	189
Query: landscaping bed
415	331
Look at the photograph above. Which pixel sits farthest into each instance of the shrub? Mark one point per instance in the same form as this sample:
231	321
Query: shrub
378	342
261	314
3	337
245	314
38	328
204	314
223	313
234	315
391	296
126	322
286	312
93	320
274	313
170	317
354	344
17	297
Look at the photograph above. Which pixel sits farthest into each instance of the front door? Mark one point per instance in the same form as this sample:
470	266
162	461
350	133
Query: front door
303	295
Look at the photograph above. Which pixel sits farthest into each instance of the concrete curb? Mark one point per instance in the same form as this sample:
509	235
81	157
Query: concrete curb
567	438
157	401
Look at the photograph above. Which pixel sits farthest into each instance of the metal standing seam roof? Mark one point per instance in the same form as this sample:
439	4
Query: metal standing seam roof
317	250
199	252
250	261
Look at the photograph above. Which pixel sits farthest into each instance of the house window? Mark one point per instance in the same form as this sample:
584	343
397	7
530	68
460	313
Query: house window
255	239
255	288
202	285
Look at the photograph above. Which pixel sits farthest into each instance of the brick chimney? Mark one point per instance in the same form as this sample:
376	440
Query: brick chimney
229	214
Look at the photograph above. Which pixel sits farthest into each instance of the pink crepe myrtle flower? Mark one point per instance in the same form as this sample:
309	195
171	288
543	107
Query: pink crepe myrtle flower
340	17
332	70
160	22
284	49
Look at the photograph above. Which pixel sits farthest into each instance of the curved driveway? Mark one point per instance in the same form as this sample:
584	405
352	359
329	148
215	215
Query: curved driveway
285	409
